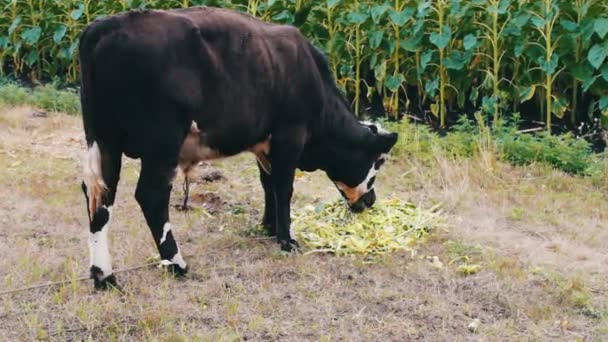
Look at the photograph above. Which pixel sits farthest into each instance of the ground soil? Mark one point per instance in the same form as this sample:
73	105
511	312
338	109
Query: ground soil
539	237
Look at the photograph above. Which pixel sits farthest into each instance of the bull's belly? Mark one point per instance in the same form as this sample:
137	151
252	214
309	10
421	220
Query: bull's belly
193	151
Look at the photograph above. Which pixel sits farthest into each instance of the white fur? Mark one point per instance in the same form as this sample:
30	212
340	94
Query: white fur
166	229
92	165
177	259
93	178
377	125
99	248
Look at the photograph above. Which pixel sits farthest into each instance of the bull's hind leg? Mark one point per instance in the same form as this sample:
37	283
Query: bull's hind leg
269	221
153	194
102	171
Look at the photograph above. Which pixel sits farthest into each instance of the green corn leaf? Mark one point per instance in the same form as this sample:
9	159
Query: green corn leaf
356	17
77	13
588	83
393	82
489	104
526	94
373	60
519	48
596	55
586	29
469	42
432	86
377	12
423	8
375	38
474	96
538	22
569	25
604	104
14	25
380	71
400	18
31	57
521	19
285	16
59	33
559	107
503	6
418	27
333	3
511	30
582	72
425	59
4	42
441	40
600	26
549	66
412	44
605	72
31	35
457	60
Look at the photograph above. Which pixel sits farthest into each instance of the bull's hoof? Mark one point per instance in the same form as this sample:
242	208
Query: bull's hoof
289	246
173	269
107	283
176	271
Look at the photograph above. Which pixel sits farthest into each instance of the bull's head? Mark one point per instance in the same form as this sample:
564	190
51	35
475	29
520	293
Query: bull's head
355	178
352	164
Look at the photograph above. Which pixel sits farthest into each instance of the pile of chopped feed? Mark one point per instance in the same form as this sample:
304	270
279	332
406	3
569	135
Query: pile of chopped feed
388	226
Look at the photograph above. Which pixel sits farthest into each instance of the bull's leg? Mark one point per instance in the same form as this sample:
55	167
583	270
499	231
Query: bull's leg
107	165
186	188
269	222
285	151
153	193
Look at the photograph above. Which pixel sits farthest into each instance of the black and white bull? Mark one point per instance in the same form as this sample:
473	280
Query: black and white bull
229	82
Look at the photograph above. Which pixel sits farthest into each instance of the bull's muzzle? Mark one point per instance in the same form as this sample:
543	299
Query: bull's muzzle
364	202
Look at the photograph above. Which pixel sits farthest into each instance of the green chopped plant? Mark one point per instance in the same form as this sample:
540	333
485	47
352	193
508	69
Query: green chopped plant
388	226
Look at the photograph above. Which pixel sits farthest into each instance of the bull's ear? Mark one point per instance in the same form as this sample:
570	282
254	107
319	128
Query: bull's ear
386	141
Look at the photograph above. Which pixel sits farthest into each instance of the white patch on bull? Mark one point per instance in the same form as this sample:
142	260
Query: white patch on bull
353	194
99	248
93	178
377	125
166	229
178	260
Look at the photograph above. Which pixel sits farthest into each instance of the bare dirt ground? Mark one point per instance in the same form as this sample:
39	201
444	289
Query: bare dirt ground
539	237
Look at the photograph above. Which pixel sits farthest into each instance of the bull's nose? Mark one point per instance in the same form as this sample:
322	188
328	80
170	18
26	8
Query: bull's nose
364	202
370	198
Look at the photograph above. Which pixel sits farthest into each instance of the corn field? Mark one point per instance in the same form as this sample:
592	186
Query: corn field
442	57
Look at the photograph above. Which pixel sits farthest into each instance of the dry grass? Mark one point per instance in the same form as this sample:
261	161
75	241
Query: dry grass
537	235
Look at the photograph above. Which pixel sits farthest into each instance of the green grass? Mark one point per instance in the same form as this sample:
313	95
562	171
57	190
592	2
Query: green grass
563	152
47	97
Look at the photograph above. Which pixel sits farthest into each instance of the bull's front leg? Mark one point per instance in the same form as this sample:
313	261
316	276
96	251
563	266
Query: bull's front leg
283	193
286	147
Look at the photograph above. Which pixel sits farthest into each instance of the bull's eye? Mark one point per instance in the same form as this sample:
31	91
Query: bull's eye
379	163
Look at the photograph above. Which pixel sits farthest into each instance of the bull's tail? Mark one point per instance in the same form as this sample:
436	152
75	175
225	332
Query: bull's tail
93	179
93	183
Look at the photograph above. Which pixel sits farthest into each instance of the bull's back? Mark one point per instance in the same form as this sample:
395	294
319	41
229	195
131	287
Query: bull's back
141	80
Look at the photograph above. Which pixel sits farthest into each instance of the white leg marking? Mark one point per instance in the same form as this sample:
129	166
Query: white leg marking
177	259
166	229
99	248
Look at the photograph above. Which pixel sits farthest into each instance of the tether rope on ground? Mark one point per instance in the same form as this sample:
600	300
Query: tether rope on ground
129	269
